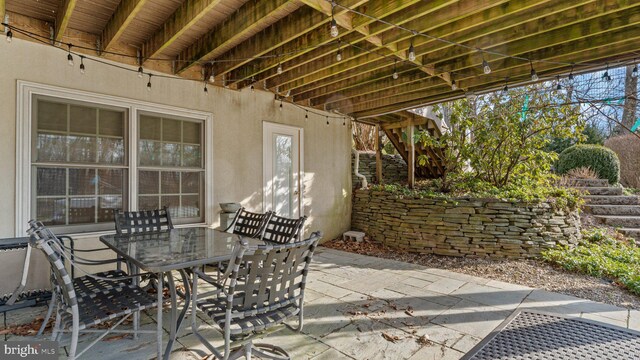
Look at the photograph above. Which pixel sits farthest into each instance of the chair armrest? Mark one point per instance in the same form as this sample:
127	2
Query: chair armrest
207	278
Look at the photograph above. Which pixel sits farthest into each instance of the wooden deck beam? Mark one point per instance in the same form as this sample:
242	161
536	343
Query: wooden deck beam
120	20
63	16
188	14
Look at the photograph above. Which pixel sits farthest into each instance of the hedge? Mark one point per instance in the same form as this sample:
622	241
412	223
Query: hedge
603	161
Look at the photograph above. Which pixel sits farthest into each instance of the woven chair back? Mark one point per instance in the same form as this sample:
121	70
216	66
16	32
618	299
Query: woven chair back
250	224
144	221
268	277
283	230
42	238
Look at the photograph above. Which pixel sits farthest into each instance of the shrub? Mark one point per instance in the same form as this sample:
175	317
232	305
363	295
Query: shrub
603	256
627	147
583	172
602	160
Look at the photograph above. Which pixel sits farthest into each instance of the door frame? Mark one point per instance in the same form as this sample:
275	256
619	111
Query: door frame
267	129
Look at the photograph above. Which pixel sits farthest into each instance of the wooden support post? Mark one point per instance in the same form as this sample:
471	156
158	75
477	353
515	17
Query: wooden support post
2	12
411	158
378	154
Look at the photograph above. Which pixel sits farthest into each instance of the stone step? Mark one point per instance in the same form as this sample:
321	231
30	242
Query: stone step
611	200
630	232
588	182
601	190
620	221
626	210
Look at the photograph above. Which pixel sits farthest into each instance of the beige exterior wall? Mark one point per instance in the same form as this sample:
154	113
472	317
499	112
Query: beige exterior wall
237	133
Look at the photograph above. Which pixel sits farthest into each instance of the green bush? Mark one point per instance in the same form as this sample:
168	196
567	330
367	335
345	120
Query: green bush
600	159
602	256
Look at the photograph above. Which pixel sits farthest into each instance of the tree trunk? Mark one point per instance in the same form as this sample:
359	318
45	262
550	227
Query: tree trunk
630	102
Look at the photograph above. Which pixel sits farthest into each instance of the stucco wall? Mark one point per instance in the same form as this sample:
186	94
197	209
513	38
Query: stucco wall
237	134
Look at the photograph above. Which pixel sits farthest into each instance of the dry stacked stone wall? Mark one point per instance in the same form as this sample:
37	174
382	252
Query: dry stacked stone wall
394	168
464	227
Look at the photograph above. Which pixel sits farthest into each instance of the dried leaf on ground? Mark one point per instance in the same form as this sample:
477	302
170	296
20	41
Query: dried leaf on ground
115	337
391	338
424	340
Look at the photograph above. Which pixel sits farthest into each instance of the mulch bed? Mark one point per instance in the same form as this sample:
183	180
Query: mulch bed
532	273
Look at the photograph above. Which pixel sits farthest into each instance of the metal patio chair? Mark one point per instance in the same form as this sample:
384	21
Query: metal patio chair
143	221
90	300
263	288
283	230
249	224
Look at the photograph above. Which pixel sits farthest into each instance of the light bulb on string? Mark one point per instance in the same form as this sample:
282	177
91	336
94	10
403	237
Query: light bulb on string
149	83
327	120
70	57
534	74
558	84
506	86
281	107
253	88
454	85
253	81
485	66
412	53
634	72
206	91
140	72
339	55
395	70
334	25
344	122
571	73
82	68
306	115
606	76
279	69
9	35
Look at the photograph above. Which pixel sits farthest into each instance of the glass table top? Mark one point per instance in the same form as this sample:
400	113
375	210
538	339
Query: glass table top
175	249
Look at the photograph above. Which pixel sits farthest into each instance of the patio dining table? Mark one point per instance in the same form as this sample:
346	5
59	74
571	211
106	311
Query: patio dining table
173	250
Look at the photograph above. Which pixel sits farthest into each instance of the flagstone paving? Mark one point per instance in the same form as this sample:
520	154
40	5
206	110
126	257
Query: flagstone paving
361	307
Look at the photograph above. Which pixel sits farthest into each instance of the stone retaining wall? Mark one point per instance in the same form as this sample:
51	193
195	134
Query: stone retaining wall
465	227
394	168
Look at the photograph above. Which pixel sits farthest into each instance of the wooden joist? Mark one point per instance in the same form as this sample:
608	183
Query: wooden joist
65	10
120	20
187	15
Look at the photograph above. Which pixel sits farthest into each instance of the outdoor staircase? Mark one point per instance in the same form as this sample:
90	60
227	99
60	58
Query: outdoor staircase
396	133
610	206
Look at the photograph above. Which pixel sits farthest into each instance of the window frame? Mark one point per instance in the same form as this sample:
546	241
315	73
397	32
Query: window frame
27	92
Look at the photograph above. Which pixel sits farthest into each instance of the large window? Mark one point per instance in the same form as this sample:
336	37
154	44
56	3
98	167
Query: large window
81	168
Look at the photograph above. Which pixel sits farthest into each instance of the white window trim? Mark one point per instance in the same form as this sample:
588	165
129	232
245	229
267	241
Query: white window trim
25	94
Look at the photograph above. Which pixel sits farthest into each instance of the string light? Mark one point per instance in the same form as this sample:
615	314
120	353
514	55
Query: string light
472	96
571	73
395	69
140	72
70	57
334	25
344	122
253	81
9	36
149	83
212	76
281	105
558	85
454	86
279	69
485	66
412	52
306	115
506	86
634	72
606	75
534	75
82	69
206	91
327	120
339	54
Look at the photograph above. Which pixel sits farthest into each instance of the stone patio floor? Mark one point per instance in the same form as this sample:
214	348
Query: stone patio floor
361	307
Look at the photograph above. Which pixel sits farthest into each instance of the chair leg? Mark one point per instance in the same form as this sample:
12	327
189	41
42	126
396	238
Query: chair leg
56	326
52	305
247	350
74	339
